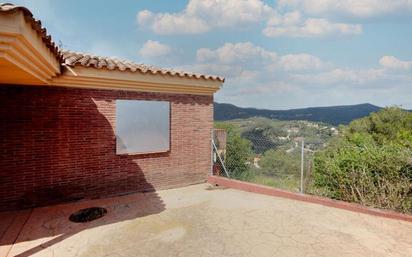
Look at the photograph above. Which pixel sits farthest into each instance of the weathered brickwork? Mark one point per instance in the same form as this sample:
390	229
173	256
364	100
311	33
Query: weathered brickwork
58	144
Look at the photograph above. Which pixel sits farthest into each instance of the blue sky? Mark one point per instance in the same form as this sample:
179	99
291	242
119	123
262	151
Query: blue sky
274	54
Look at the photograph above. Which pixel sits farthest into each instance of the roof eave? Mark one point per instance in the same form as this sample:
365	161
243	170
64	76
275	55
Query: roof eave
23	51
84	77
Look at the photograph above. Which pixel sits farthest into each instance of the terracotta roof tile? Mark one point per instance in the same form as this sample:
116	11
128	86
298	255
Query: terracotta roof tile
71	58
35	24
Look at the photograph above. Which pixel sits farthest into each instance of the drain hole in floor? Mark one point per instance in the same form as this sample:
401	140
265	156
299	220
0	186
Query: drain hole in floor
88	214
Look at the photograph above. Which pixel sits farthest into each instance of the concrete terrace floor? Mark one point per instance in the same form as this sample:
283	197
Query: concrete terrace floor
202	221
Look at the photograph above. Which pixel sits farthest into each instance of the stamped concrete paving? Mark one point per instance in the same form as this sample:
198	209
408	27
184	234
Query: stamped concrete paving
195	221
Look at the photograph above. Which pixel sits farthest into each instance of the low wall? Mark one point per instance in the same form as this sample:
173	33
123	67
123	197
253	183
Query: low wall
265	190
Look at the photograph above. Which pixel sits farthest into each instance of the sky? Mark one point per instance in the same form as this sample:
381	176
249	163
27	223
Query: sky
274	54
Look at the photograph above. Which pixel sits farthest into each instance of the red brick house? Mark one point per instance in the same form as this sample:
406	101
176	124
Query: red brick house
60	118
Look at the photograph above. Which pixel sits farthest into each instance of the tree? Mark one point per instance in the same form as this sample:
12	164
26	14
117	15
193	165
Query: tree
390	125
238	152
279	163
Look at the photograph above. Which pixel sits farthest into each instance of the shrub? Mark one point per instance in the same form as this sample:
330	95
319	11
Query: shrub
238	153
279	163
370	163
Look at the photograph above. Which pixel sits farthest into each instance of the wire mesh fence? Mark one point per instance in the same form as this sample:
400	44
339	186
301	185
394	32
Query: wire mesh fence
263	160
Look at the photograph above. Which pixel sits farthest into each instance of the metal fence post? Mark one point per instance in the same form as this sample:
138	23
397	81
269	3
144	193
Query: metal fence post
301	166
220	159
212	162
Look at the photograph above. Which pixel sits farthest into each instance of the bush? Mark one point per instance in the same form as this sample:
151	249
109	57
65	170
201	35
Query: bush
238	153
370	163
279	163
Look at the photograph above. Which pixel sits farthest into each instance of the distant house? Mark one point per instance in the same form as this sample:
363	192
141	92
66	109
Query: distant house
76	126
334	131
256	161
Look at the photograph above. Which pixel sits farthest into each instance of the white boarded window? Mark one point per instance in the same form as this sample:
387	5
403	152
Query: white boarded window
142	126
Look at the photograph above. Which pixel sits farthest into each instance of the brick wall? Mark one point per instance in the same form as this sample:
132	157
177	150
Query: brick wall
58	144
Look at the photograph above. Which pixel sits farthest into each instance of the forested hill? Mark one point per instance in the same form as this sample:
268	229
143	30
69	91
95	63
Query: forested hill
334	115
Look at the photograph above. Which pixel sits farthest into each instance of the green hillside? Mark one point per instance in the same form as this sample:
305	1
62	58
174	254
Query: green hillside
335	115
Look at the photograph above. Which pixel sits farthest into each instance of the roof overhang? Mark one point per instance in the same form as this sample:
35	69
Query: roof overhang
24	58
84	77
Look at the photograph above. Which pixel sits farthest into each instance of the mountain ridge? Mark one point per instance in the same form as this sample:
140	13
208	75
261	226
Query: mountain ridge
335	115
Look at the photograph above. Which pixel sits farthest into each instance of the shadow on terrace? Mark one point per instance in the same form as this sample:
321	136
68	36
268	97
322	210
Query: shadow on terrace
69	150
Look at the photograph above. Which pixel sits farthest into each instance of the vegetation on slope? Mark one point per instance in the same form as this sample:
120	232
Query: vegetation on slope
267	151
370	162
367	162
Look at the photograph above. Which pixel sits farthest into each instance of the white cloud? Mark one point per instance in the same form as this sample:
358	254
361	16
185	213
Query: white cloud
354	8
294	26
341	76
154	49
200	16
256	76
229	12
145	17
391	62
233	59
289	18
327	18
235	53
166	23
252	71
293	62
271	87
